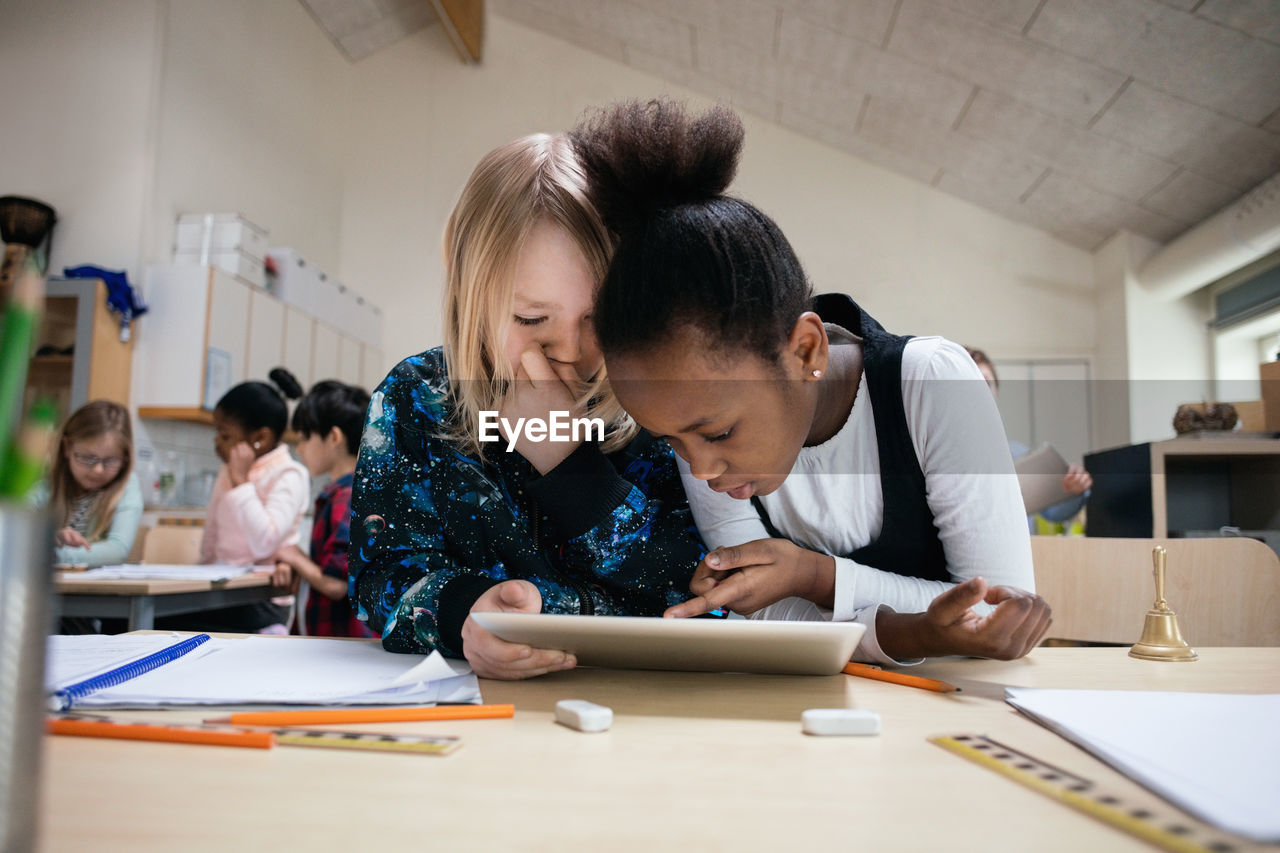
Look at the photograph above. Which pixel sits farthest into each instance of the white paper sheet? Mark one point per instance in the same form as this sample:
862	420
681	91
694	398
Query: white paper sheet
303	670
159	571
1216	755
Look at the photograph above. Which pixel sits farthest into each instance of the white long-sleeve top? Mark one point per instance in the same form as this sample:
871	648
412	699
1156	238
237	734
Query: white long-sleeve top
832	501
249	523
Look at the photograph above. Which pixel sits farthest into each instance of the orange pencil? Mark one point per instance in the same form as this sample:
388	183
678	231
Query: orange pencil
864	671
370	715
170	734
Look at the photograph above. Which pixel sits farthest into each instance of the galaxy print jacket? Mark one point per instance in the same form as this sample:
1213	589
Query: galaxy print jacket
433	527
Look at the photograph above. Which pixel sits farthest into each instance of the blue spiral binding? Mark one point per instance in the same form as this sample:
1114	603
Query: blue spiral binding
65	698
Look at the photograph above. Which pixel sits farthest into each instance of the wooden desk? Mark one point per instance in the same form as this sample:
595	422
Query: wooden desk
693	762
141	601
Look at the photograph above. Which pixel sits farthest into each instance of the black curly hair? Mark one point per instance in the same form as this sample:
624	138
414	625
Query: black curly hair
688	255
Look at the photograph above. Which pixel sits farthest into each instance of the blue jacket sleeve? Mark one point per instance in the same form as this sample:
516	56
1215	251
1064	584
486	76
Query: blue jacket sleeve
401	561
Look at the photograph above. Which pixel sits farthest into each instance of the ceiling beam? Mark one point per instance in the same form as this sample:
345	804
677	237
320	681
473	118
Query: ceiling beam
463	20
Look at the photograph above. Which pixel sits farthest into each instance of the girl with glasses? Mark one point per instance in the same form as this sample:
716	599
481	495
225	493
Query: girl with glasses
92	489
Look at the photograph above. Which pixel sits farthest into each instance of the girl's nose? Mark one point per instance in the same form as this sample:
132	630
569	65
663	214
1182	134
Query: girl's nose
566	343
704	465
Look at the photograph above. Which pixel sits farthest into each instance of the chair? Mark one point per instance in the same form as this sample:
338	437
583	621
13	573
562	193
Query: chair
172	544
1226	591
139	542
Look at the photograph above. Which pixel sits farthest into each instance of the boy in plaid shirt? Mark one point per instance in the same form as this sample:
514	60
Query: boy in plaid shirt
330	419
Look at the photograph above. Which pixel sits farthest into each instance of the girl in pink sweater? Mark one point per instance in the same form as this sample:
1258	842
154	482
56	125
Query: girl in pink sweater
258	498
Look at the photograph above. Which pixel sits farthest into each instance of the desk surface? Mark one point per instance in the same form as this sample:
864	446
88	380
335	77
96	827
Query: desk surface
73	583
693	761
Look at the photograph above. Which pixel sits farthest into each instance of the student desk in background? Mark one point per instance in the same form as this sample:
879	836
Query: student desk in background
141	601
693	762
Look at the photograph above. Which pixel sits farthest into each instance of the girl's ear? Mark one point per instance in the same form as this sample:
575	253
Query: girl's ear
336	438
261	440
807	348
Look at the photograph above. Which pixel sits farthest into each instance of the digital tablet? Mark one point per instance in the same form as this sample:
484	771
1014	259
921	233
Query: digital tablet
1040	475
703	645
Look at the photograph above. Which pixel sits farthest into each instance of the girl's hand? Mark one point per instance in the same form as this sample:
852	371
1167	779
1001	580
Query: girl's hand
70	538
491	657
540	389
753	575
282	576
951	627
290	554
1076	481
239	460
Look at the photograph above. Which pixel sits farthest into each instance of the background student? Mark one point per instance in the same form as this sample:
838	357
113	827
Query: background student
840	471
443	525
329	419
1076	482
258	498
92	490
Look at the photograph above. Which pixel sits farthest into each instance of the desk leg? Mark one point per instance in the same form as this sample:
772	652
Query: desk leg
142	613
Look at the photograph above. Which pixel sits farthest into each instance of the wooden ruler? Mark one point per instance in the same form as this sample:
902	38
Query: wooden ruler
1163	826
416	744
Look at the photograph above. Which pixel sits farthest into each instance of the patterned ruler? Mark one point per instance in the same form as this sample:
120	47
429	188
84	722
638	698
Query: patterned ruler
1162	826
417	744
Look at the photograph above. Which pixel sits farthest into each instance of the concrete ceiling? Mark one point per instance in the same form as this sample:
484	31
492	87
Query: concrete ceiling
1078	117
361	28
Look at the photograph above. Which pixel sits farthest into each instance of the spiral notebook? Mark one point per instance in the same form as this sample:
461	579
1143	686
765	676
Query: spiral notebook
147	671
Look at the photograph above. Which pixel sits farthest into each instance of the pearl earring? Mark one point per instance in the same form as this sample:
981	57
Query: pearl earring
817	374
257	444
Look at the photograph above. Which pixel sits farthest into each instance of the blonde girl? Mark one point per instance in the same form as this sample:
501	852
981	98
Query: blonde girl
444	523
92	490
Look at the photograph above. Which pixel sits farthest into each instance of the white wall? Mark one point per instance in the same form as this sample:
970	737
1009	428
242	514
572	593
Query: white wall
253	101
1154	352
76	118
921	261
130	111
123	113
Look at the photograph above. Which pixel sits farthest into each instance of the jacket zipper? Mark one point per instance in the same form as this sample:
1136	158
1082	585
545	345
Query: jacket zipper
586	605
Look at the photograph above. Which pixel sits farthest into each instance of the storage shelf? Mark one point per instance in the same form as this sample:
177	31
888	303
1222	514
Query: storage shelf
186	414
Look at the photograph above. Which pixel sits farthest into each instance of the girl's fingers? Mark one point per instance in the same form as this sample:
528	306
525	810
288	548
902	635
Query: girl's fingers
538	368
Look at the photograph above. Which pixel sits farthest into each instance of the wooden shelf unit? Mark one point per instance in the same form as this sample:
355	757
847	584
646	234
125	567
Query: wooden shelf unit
1185	486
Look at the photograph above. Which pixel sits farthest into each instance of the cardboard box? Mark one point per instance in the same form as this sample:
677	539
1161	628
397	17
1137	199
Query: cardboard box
1252	417
1269	373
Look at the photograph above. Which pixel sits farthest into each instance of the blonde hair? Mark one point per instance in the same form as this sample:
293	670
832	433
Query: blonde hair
513	188
88	422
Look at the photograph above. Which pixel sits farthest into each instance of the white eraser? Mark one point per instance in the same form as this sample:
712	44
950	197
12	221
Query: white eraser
840	721
583	715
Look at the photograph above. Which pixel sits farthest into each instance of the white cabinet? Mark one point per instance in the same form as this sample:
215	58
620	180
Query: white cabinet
324	352
207	330
350	356
193	341
372	372
266	336
298	328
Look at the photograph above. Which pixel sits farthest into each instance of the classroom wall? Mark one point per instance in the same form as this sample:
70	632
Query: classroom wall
920	260
252	99
1154	353
75	124
124	113
131	111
